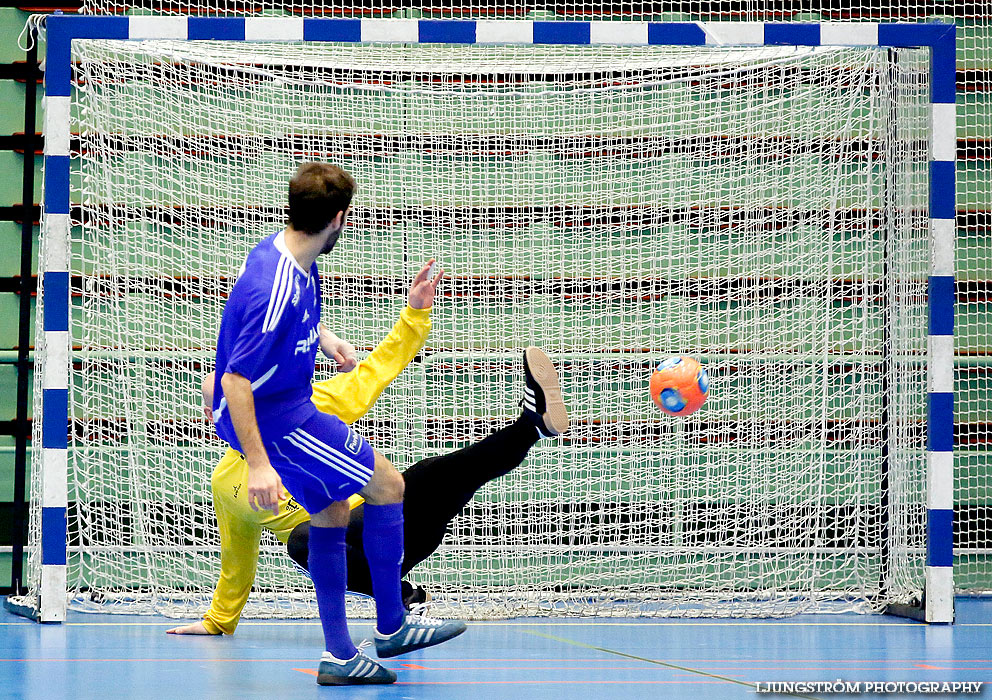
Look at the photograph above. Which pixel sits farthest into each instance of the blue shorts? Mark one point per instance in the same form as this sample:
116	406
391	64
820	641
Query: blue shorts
322	461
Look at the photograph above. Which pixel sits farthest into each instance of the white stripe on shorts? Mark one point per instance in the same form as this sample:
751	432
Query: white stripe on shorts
348	460
336	454
300	445
333	454
311	474
320	452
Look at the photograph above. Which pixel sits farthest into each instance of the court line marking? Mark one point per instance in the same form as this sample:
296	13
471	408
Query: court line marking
917	666
681	623
559	682
687	669
311	672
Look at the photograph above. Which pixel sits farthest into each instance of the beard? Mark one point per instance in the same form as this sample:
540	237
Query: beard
330	242
332	239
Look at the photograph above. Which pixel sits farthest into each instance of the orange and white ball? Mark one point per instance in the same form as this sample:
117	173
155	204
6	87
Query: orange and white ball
679	386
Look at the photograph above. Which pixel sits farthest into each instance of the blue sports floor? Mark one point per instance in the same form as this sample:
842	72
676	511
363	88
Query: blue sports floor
104	656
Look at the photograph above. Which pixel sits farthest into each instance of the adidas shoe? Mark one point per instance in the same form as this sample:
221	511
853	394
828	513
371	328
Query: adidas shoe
542	401
414	595
417	632
358	670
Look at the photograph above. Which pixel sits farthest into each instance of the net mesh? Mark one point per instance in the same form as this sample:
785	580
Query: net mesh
763	209
973	383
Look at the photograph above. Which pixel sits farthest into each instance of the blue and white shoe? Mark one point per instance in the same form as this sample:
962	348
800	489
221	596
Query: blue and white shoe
417	632
542	402
358	670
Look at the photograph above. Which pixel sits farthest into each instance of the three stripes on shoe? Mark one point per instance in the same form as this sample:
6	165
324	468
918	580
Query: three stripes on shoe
423	635
530	405
364	669
529	399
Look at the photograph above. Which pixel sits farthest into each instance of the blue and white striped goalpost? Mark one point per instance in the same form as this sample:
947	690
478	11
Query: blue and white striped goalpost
55	274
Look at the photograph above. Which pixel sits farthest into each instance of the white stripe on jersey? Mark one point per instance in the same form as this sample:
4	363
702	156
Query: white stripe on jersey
273	294
284	299
292	463
279	287
287	293
358	470
280	244
254	385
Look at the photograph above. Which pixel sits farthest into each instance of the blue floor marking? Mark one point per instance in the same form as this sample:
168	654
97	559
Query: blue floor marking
112	656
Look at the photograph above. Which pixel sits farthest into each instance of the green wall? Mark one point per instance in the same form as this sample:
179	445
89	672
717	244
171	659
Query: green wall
11	168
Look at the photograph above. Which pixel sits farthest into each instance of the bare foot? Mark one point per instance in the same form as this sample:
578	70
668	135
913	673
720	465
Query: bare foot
195	628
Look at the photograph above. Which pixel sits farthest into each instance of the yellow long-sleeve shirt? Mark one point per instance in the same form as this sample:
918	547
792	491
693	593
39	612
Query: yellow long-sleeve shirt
348	396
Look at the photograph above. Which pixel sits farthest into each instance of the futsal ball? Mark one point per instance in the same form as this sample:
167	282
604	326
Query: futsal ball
679	386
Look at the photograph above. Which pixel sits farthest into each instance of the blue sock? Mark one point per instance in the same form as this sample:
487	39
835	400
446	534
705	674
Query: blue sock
329	572
383	539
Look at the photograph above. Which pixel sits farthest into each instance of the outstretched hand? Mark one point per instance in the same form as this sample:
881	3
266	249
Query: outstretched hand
423	287
195	628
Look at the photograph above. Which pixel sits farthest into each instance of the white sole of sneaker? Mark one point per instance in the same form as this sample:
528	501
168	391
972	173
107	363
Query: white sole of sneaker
418	646
544	372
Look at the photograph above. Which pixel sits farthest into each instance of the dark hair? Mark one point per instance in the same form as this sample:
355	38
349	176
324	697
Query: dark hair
317	192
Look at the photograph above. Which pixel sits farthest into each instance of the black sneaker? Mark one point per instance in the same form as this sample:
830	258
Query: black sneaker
413	595
542	401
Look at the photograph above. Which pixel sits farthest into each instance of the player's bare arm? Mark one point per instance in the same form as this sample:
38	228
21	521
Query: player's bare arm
264	485
334	348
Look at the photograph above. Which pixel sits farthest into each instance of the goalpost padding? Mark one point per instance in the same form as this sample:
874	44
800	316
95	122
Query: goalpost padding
54	347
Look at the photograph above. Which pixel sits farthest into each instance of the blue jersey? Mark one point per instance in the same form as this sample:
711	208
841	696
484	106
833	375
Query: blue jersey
269	335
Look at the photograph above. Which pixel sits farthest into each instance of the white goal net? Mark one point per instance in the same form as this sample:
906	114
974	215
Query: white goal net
762	209
973	380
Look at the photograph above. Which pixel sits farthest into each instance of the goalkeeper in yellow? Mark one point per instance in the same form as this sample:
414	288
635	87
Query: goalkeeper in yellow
437	488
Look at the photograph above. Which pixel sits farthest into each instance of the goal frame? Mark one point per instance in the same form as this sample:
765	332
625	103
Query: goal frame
55	277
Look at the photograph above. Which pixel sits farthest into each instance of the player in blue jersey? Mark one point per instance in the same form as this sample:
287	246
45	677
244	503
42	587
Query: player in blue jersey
266	351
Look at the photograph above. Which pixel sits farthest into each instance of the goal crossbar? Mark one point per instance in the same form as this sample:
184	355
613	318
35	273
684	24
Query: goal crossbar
56	274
